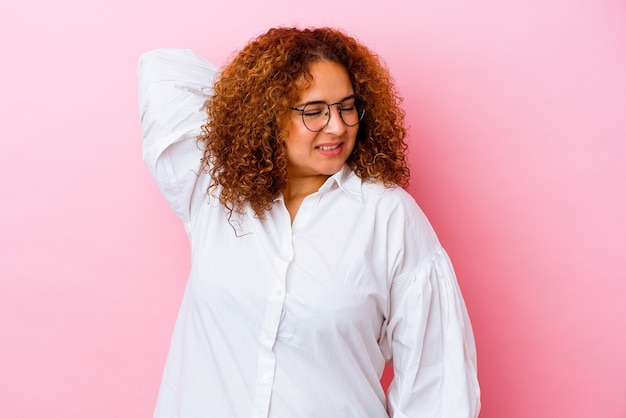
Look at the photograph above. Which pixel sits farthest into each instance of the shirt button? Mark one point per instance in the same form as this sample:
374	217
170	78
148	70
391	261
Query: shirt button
267	338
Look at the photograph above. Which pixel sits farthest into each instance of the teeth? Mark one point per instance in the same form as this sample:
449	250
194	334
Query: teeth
328	148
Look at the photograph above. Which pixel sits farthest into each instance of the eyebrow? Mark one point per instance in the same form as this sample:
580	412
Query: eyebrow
352	96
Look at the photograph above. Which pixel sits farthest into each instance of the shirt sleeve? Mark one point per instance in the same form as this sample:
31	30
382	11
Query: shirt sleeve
174	85
432	345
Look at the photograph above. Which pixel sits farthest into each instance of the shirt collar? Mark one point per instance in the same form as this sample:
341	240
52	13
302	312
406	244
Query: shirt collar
346	179
348	182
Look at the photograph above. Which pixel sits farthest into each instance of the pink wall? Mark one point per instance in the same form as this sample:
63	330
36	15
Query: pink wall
518	141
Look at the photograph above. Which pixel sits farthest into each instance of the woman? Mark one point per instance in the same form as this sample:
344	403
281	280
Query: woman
311	267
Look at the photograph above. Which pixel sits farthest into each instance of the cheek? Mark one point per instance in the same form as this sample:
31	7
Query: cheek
353	134
298	130
296	148
299	137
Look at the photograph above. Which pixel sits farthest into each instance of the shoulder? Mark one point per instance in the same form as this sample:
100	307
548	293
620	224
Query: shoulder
404	220
390	200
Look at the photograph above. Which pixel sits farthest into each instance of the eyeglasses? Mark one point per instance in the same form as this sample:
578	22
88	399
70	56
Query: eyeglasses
316	115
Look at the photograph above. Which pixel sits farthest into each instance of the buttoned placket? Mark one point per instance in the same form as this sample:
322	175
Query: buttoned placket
276	300
266	363
267	358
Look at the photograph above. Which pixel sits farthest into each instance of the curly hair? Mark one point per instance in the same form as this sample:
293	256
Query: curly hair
243	137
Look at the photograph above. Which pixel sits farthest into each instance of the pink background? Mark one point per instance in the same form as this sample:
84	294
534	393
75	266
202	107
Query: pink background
517	112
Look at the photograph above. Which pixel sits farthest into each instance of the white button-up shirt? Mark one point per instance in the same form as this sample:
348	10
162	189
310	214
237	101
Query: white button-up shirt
295	320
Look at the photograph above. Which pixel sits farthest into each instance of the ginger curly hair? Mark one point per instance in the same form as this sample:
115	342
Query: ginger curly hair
243	139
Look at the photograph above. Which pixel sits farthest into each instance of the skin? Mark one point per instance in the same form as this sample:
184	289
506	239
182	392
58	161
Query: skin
309	164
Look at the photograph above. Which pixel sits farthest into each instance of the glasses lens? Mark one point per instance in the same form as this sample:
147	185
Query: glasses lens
315	116
351	112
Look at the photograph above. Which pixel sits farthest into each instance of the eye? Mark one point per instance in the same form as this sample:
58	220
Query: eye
314	110
348	106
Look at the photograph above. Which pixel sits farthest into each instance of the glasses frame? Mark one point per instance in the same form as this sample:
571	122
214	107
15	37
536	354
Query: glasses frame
358	103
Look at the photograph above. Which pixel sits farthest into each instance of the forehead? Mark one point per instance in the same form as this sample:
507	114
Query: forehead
329	81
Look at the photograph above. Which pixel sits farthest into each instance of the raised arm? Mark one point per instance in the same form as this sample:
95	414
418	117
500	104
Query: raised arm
174	85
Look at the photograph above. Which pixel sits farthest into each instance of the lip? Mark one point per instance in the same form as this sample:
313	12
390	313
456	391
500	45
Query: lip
336	149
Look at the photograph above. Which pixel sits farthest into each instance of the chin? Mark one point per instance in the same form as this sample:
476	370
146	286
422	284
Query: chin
331	170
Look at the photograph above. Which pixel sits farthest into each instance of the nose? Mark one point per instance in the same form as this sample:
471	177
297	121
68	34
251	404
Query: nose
335	124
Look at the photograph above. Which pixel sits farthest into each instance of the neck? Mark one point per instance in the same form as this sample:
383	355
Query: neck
297	189
300	187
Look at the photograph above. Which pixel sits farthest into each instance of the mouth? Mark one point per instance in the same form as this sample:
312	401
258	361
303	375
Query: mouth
328	147
330	150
